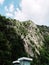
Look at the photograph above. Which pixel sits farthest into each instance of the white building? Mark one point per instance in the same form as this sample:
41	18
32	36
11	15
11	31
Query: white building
22	61
16	62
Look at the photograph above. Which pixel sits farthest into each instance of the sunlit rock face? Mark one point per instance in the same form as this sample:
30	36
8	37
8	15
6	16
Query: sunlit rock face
30	33
33	39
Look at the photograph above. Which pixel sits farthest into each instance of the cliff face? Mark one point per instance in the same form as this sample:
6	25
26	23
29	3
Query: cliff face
30	33
19	39
33	39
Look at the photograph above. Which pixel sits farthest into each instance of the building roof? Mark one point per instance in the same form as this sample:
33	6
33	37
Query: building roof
16	62
25	58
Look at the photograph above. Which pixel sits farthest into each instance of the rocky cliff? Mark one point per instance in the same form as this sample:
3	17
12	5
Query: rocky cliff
25	38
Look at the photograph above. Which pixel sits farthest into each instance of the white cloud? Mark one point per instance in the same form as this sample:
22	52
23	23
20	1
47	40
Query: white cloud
9	10
36	10
1	1
6	8
9	14
19	15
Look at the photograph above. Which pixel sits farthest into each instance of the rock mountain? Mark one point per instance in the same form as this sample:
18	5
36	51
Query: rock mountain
25	38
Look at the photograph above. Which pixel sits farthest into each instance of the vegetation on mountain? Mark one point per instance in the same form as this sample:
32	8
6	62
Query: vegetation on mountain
11	44
13	37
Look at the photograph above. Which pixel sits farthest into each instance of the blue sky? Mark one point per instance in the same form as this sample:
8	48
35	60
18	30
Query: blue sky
7	3
35	10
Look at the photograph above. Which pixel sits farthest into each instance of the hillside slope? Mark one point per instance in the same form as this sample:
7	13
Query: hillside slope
19	39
